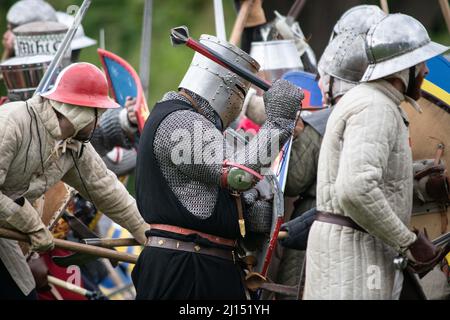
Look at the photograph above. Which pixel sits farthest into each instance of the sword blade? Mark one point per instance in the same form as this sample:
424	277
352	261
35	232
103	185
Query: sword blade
48	76
146	42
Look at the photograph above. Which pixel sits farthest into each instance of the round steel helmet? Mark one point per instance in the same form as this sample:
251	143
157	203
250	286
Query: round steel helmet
396	43
359	19
26	11
345	57
82	84
224	90
80	40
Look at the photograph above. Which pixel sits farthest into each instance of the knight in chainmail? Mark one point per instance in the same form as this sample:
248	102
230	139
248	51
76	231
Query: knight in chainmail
184	173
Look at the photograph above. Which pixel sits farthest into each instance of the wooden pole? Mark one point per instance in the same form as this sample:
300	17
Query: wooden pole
111	243
75	246
69	286
241	19
446	12
384	6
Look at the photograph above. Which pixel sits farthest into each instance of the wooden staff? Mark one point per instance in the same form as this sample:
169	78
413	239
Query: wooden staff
111	243
446	12
5	55
384	6
241	19
75	246
69	286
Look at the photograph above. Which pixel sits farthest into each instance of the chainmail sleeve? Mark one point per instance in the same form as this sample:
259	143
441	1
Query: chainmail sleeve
198	149
258	217
110	133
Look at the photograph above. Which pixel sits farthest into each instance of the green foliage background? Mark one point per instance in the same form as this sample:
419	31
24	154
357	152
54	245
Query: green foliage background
122	22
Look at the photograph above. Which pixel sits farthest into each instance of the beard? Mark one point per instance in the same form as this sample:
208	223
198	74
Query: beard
415	92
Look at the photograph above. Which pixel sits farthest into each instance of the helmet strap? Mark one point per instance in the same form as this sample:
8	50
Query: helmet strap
329	93
411	81
95	126
218	121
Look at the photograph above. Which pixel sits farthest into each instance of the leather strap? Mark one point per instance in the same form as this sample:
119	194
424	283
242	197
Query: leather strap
332	218
172	244
240	210
185	232
191	100
280	288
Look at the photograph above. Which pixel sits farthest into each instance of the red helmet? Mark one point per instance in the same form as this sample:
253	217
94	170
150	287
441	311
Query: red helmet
82	84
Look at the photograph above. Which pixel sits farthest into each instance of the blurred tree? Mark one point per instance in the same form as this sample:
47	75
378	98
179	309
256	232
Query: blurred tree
122	21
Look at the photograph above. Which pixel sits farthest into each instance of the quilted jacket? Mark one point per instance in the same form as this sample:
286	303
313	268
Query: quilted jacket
365	173
30	164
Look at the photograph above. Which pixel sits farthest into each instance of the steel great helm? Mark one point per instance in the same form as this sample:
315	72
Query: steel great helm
224	90
396	43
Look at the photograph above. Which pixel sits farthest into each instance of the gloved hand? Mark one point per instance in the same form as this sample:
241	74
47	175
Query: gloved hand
41	240
423	255
139	233
283	100
298	230
28	221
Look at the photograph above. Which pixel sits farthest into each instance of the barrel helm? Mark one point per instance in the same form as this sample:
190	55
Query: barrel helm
224	90
396	43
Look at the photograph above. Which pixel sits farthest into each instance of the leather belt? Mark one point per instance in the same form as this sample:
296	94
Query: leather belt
185	232
167	243
332	218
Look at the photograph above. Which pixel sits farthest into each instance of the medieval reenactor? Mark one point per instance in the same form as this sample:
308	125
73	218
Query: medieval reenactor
189	203
339	71
340	67
365	172
45	140
22	12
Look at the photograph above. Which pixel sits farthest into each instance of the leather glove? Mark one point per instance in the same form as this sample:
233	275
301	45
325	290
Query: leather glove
139	233
41	240
28	221
283	100
423	255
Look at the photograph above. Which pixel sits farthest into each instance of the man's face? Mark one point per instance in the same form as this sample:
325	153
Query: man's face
416	92
8	40
84	134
